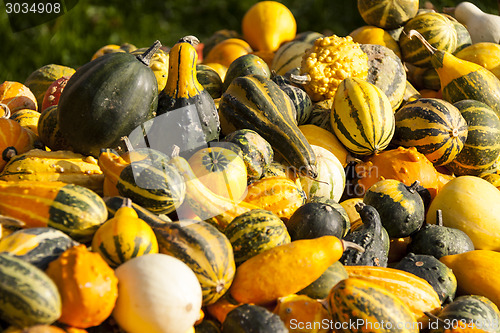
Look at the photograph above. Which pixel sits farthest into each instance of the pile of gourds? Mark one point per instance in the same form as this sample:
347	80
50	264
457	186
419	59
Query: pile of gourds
263	182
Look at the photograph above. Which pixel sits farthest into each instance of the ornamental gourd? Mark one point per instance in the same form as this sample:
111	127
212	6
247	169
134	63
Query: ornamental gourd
15	96
185	102
41	79
106	99
387	14
15	140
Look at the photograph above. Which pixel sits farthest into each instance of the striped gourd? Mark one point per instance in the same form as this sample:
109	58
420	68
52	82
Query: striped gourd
320	114
204	249
387	14
209	79
414	291
300	99
289	56
362	117
27	118
254	232
436	28
58	165
146	178
482	147
38	246
27	295
114	203
279	195
386	71
433	126
247	64
256	102
355	300
73	209
49	131
41	79
124	236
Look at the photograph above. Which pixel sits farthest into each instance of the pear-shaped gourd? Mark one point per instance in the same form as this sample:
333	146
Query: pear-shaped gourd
482	27
461	79
371	236
438	241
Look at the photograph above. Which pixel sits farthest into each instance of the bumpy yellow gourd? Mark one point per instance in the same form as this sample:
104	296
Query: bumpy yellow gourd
329	62
123	237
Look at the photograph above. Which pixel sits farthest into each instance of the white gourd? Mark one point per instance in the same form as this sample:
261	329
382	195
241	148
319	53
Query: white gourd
157	293
482	27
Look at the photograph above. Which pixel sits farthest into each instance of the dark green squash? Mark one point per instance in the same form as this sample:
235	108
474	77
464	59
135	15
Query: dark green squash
439	241
188	112
249	318
247	64
106	99
463	36
400	207
256	152
315	219
468	309
320	288
38	246
439	276
256	102
300	99
210	80
338	207
254	232
370	236
207	326
482	147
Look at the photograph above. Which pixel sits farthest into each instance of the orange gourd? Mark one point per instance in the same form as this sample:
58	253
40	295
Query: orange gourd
16	96
87	285
14	140
404	164
227	51
285	269
268	24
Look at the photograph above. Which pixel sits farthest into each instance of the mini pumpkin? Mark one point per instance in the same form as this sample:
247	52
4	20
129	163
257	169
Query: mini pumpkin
14	140
17	96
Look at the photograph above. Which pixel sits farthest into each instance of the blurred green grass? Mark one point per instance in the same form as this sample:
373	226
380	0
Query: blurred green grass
73	38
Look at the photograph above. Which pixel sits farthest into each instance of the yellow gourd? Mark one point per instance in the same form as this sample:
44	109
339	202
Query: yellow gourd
477	273
267	25
485	54
482	27
285	269
370	34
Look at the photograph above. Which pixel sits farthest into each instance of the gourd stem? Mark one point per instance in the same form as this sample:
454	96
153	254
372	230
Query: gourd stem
413	187
146	57
359	206
6	111
8	153
189	39
439	217
127	202
10	221
433	316
351	245
298	79
429	47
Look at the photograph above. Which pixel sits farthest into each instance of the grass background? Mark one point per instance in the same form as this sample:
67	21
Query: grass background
73	38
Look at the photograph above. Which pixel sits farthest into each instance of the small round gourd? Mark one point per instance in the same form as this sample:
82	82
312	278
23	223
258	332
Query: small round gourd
387	14
209	79
439	276
438	241
293	309
400	206
123	237
315	219
300	99
346	222
249	318
320	288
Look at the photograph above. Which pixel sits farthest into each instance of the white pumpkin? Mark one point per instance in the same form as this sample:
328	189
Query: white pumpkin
157	293
330	182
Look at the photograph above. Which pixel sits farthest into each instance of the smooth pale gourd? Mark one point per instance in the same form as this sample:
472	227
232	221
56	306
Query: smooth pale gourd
470	204
157	293
482	27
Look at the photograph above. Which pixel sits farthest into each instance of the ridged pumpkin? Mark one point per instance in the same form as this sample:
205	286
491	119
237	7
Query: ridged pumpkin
123	237
268	24
435	127
362	117
226	51
73	272
14	140
16	96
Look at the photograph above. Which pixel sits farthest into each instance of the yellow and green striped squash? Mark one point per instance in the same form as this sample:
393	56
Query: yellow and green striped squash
434	127
482	147
49	130
41	79
289	56
202	247
73	209
27	295
123	237
355	300
436	28
362	117
387	14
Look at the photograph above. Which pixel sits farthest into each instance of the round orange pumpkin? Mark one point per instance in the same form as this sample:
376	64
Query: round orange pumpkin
404	164
17	96
227	51
14	140
87	285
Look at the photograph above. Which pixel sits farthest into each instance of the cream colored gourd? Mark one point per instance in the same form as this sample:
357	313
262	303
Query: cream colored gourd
157	293
482	27
470	204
